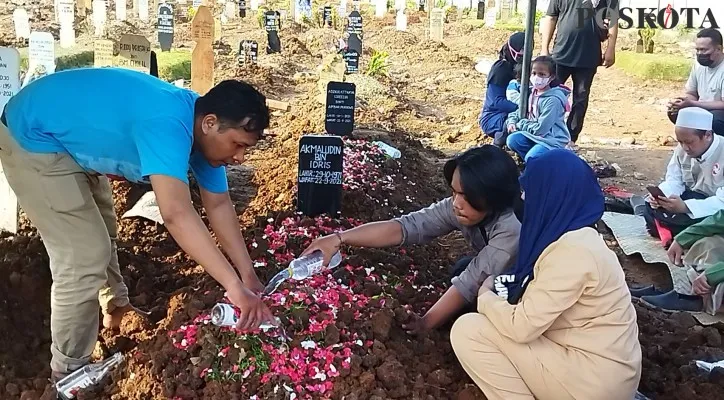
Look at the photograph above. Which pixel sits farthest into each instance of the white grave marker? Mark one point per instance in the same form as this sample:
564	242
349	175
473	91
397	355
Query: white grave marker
380	8
9	85
102	53
254	5
22	25
401	20
67	34
121	9
99	16
490	17
66	11
400	4
143	10
342	9
437	18
134	52
41	56
231	10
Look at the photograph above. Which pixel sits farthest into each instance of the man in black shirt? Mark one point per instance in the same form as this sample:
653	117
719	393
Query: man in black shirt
577	49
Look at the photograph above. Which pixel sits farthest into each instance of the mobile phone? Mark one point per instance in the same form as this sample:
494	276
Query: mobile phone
655	192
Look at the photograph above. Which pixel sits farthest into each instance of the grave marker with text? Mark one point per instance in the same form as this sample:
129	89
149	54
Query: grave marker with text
165	26
339	112
271	24
319	179
103	53
134	52
9	85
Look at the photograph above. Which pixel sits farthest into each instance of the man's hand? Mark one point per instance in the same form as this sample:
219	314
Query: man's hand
673	204
328	245
653	202
252	282
253	312
675	253
609	58
417	325
701	285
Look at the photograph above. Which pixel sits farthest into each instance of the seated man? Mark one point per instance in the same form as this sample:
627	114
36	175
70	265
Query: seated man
706	81
704	247
694	178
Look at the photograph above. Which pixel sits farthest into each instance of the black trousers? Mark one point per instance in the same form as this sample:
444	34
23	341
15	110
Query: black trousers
674	222
717	126
582	81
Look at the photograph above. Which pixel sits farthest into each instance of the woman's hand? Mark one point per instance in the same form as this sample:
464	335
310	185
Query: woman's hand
328	245
701	285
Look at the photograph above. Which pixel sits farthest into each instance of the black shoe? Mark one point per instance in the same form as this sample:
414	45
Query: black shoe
649	290
673	301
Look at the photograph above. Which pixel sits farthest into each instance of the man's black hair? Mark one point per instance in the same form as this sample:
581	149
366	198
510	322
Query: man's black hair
232	101
488	176
712	34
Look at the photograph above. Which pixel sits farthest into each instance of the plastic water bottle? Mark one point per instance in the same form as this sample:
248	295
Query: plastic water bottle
87	376
311	264
224	315
302	268
389	150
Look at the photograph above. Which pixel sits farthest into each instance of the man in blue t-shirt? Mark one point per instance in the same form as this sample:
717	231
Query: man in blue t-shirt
64	134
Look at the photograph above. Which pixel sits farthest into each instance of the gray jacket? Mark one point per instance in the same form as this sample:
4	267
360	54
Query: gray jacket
494	255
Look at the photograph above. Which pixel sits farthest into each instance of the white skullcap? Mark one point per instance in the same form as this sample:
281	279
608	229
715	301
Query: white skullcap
695	118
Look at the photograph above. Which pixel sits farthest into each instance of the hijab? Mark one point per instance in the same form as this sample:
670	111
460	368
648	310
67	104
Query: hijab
501	73
562	195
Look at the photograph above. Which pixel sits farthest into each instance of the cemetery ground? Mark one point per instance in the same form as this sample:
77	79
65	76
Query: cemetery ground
344	328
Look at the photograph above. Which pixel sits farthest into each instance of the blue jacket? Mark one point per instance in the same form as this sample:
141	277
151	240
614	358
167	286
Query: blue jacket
548	127
495	110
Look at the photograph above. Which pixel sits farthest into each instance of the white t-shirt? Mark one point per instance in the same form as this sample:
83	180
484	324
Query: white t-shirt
707	82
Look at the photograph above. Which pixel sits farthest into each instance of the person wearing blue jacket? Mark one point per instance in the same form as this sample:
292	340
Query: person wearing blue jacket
497	106
545	128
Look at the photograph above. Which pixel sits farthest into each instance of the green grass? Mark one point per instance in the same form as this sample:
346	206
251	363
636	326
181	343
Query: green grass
665	67
172	65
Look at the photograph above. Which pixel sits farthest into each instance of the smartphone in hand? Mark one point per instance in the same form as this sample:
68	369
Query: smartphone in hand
655	192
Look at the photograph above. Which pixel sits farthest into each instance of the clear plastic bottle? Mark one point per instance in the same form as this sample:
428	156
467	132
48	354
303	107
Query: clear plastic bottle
389	150
89	375
311	264
224	315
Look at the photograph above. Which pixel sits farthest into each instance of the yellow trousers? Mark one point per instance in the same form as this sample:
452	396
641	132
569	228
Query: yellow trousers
73	212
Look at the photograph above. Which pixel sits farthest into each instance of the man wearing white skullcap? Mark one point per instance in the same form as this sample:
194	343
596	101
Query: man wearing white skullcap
693	187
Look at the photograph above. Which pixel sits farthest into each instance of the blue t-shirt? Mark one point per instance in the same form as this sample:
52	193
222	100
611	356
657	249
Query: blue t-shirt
113	121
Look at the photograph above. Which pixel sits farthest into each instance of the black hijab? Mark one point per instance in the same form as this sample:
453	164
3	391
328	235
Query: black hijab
502	71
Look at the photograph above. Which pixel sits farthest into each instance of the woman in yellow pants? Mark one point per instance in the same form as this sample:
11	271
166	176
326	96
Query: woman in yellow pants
560	324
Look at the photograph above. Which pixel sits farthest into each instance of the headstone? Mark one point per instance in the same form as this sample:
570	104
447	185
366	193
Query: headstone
134	52
202	27
121	9
165	26
342	10
196	4
421	5
271	24
490	17
254	4
202	67
354	43
436	21
400	4
22	24
153	71
103	53
339	112
481	9
143	10
9	85
230	10
99	16
401	20
66	11
248	52
505	9
351	61
327	16
242	8
354	23
380	8
319	181
355	5
217	30
41	56
66	34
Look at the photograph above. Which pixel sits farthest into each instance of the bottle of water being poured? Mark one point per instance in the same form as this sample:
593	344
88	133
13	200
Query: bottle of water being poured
302	268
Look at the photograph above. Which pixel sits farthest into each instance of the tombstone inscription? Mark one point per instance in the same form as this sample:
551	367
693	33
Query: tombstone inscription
165	26
319	179
202	26
103	53
9	85
134	52
351	61
339	112
327	16
248	52
271	25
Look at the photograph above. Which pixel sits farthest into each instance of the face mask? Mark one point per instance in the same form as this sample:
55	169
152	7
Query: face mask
539	82
517	55
704	59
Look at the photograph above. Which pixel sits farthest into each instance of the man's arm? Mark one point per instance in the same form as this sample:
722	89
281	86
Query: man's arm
225	224
707	105
186	227
548	25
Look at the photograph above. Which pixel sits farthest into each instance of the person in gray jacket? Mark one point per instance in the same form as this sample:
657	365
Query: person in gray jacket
485	191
